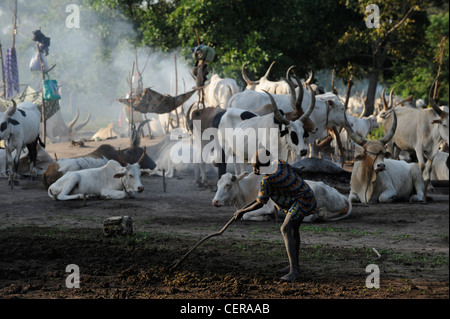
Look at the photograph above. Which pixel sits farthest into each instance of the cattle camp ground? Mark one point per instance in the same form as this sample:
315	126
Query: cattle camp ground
124	115
41	237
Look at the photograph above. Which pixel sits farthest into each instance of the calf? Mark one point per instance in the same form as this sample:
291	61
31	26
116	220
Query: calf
242	189
112	181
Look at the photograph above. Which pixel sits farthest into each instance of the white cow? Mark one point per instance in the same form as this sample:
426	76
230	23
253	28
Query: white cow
19	127
362	127
439	167
264	84
218	91
112	181
242	189
378	179
328	112
239	133
58	131
419	130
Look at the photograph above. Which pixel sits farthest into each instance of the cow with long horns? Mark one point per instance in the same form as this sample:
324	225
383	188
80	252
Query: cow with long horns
376	178
419	130
237	126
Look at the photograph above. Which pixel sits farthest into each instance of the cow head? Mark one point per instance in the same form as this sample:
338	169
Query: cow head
130	175
374	151
443	120
251	85
227	189
294	131
6	121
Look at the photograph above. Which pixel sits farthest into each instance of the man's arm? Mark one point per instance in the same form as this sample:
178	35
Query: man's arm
247	208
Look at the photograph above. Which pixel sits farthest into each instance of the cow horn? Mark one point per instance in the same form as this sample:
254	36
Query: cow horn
433	102
280	118
81	125
289	71
13	109
311	76
269	69
408	99
245	77
311	105
141	159
385	139
72	123
121	161
391	98
298	104
136	134
383	98
292	90
355	137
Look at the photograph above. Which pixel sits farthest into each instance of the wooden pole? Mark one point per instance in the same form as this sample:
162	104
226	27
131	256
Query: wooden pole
3	71
176	87
15	25
43	71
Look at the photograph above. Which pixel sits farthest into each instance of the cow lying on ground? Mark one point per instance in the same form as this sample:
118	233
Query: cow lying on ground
375	178
242	189
95	159
112	181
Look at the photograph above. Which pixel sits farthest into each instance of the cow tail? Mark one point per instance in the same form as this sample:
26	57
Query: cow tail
40	141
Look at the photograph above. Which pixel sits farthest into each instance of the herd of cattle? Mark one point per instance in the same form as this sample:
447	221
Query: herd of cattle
300	113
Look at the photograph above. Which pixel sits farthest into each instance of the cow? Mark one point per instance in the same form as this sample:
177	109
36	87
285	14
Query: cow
208	117
95	159
19	127
104	133
419	130
328	112
242	124
264	84
58	131
439	167
218	91
114	180
362	126
375	178
242	189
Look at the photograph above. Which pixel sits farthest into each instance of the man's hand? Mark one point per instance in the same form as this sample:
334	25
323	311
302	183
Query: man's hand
238	214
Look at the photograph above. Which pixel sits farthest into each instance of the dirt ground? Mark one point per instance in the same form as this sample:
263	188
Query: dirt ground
40	237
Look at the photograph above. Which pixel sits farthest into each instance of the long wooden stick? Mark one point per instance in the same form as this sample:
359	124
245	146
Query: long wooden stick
201	241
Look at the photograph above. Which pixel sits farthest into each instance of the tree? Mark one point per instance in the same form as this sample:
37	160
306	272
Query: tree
377	50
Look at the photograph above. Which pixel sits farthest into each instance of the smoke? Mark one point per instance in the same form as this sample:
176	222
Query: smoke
93	62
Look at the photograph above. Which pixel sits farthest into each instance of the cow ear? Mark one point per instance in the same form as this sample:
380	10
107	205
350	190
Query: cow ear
359	157
13	121
387	155
119	175
144	173
241	176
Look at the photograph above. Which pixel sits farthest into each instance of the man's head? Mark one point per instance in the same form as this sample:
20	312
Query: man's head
262	162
